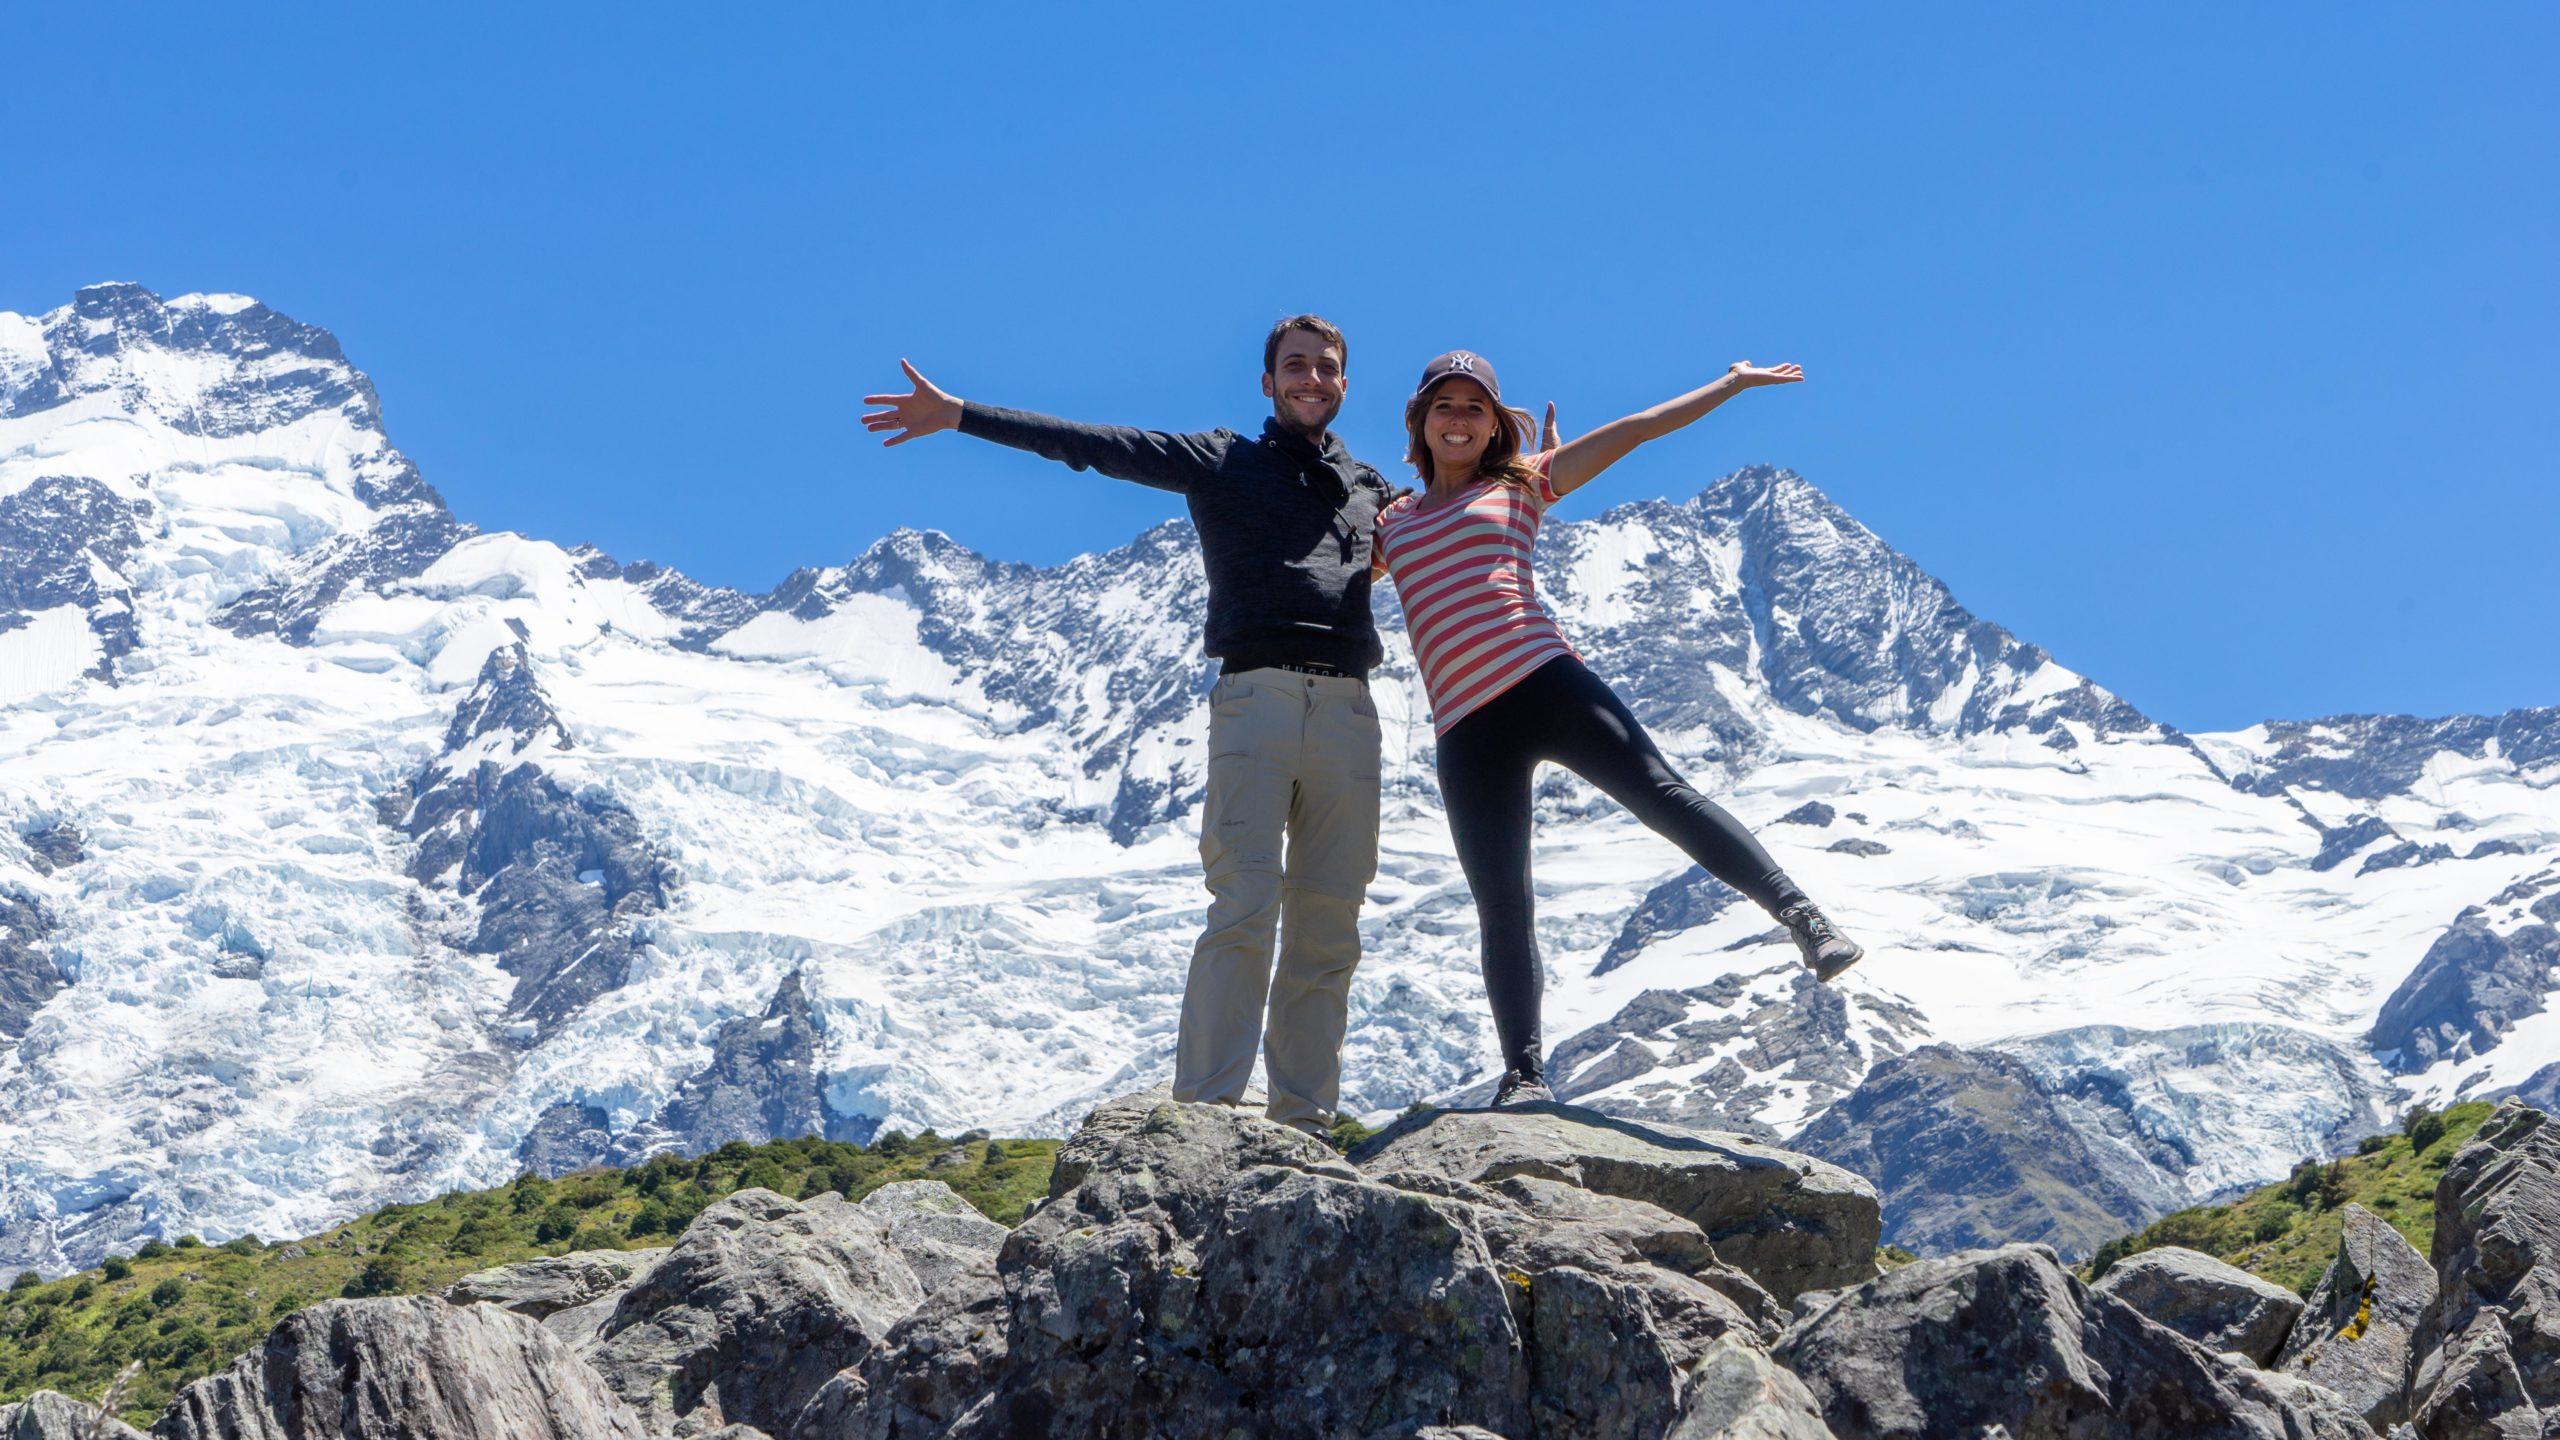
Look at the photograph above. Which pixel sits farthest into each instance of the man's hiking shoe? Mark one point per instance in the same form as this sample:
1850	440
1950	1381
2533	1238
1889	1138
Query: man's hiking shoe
1522	1087
1826	951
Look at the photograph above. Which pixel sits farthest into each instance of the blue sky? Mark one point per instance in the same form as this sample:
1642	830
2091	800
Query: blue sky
2214	351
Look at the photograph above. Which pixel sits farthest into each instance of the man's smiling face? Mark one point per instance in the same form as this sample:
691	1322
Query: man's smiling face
1306	382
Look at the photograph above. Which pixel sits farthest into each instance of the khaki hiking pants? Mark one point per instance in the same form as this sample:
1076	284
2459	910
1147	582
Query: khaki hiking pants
1289	838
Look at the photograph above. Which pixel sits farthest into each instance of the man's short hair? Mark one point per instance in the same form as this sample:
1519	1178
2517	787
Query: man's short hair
1315	325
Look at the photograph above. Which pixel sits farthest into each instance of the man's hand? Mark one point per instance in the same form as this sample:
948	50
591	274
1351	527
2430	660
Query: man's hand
1745	374
1548	438
924	411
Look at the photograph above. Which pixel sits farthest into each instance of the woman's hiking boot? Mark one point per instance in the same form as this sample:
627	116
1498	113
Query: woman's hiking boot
1826	951
1522	1087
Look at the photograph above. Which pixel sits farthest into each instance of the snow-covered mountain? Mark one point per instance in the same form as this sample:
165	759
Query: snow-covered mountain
348	853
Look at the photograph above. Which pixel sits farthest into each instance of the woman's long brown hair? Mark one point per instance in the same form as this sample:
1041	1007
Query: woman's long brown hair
1501	459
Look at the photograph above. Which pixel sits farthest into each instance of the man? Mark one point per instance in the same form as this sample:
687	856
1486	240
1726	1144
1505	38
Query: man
1289	831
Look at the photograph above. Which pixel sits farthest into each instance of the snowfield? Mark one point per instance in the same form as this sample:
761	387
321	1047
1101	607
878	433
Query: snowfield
958	799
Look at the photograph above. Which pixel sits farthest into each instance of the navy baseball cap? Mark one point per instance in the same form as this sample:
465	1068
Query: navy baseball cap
1461	362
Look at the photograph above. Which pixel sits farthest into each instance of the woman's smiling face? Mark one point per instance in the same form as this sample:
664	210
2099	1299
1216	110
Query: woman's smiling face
1458	424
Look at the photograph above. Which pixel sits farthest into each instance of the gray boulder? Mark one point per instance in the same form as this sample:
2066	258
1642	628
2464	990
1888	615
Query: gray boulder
412	1368
2217	1305
553	1283
757	1305
1958	1345
50	1415
1213	1271
2354	1334
1790	1222
941	1236
1736	1392
1219	1274
2490	1339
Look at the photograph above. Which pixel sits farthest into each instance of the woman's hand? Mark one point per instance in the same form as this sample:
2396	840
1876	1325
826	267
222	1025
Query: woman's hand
1745	375
1548	437
926	410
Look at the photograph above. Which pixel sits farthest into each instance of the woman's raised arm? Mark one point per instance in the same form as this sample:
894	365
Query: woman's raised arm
1587	455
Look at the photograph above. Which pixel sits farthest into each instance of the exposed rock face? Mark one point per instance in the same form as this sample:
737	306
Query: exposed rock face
562	880
1970	1147
1174	1271
1201	1263
1862	848
2219	1306
2007	1338
552	1283
1811	812
2490	1339
46	1415
1738	1393
28	976
942	1237
1773	1029
415	1368
2497	964
69	538
2339	843
57	845
1790	1222
2370	757
763	1081
411	535
753	1309
1683	902
2355	1332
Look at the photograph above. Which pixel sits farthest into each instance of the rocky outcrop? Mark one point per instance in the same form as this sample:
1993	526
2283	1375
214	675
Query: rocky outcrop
46	1415
1197	1272
2007	1338
28	976
64	540
561	880
2370	757
2355	1332
1683	902
763	1082
2219	1306
1220	1274
1736	1392
2495	965
758	1304
2490	1339
942	1237
1971	1147
56	845
1771	1041
1790	1222
553	1283
415	1368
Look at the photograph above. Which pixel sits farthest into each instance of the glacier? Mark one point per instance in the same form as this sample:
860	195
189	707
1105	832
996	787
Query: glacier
404	855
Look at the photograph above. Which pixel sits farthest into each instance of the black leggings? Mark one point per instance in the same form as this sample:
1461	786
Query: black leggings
1564	713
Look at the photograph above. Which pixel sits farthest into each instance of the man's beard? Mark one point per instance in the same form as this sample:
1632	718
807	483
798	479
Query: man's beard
1287	412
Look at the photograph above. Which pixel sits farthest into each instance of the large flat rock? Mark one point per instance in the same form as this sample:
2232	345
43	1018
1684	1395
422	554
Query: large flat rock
1789	1221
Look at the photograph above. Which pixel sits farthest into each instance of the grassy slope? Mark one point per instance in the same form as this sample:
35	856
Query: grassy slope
2272	1233
186	1310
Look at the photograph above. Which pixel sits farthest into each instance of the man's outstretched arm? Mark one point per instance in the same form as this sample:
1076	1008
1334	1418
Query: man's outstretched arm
1148	457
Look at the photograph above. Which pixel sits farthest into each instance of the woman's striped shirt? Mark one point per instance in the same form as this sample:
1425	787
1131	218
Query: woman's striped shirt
1470	597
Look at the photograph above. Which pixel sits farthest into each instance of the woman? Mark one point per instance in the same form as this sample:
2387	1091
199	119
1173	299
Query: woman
1507	690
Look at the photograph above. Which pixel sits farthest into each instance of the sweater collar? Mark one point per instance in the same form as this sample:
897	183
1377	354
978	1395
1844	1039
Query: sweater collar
1298	447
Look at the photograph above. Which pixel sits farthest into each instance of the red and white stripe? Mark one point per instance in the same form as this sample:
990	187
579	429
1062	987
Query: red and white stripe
1470	595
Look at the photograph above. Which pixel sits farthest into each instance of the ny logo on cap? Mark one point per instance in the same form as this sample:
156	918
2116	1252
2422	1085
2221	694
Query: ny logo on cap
1462	362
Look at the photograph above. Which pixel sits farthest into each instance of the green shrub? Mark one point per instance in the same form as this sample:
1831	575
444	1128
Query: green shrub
168	1292
382	1275
116	1267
